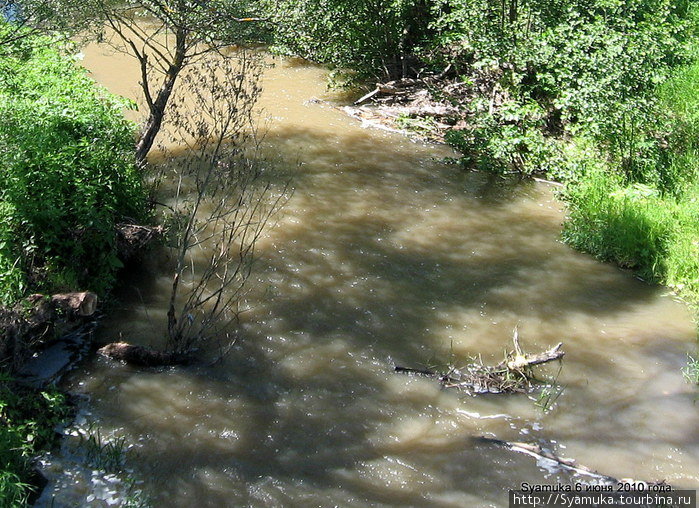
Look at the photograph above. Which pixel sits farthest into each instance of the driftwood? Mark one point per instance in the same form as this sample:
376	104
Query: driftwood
519	361
132	238
512	375
539	453
140	355
391	88
425	110
366	97
570	465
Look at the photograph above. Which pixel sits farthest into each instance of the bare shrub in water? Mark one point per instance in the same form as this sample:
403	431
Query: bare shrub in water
222	200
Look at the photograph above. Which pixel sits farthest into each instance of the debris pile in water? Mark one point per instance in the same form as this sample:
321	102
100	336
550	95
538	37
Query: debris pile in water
515	374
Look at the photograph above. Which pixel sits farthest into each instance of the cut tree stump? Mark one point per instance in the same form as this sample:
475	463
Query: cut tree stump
82	304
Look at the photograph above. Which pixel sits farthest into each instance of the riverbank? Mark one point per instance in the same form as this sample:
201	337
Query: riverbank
595	97
69	179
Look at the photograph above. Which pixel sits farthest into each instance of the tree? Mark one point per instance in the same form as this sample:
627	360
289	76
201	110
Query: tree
375	38
20	23
165	36
219	205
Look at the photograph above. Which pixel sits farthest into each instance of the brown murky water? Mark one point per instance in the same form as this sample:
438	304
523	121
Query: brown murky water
386	255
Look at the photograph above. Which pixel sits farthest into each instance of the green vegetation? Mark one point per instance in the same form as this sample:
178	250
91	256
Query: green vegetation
68	174
691	371
602	95
109	455
103	453
649	219
372	38
27	422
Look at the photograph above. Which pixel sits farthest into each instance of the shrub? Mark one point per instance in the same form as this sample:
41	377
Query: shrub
374	38
68	174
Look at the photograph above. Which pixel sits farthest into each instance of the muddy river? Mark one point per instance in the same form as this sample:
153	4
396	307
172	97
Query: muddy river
386	255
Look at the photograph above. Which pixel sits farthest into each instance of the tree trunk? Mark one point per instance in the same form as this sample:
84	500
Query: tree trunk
158	107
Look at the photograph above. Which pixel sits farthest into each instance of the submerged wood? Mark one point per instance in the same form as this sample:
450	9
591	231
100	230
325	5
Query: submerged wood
140	355
520	361
540	453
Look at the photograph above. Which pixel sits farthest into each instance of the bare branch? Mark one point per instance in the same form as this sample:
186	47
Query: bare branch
222	198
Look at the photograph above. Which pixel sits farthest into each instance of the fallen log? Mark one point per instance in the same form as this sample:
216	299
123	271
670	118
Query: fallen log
140	355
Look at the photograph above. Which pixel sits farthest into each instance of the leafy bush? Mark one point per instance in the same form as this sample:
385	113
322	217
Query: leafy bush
513	138
374	38
589	67
68	174
28	421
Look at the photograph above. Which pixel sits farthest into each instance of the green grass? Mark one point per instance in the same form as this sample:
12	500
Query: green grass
651	227
67	177
691	371
637	227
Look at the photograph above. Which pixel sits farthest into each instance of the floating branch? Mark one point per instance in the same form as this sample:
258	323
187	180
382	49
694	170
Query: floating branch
519	361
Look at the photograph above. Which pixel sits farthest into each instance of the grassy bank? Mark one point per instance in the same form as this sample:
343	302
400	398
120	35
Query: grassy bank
650	222
68	174
68	177
28	420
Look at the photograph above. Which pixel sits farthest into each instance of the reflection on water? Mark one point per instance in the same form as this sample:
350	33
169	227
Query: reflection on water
384	255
